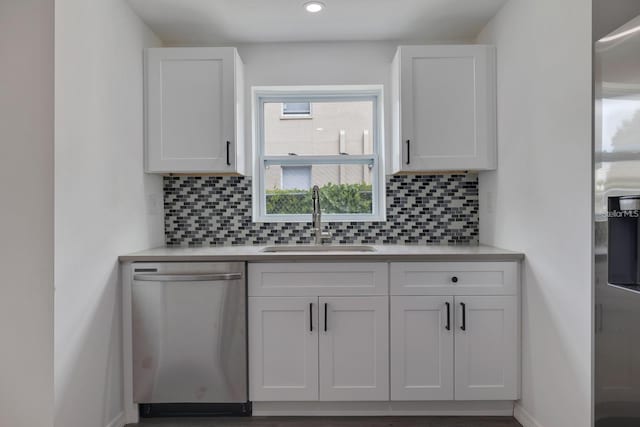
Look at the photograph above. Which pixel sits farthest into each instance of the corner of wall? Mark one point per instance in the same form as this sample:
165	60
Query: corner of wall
523	417
119	421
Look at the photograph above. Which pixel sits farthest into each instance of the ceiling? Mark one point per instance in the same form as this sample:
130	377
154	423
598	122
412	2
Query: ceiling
215	22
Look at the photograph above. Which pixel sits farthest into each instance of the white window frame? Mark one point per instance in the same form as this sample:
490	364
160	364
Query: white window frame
265	94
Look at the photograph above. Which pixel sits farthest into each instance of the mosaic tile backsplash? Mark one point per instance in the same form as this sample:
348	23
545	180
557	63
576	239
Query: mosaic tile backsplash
429	209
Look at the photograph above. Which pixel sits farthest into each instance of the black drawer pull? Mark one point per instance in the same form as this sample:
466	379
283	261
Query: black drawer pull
325	317
310	317
464	316
408	151
448	327
454	279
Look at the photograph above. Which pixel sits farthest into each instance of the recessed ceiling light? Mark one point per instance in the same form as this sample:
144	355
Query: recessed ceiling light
314	6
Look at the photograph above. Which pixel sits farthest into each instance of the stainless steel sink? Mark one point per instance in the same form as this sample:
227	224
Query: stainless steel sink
319	248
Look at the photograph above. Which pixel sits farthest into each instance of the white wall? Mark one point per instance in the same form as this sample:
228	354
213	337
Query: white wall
100	202
539	199
282	64
26	213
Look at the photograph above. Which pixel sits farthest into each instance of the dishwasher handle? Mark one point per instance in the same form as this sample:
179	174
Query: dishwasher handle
191	277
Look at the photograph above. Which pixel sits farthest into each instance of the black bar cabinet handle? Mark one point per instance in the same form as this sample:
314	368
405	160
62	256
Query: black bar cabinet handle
448	327
310	317
325	317
464	317
228	147
408	151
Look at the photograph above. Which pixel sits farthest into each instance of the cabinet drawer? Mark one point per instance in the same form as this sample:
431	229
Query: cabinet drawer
318	279
454	278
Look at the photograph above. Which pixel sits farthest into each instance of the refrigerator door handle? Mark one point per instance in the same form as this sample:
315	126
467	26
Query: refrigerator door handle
599	318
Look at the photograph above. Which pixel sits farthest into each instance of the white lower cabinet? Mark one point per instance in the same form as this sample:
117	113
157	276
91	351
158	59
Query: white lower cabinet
483	330
486	348
455	347
308	344
283	348
310	348
354	348
421	348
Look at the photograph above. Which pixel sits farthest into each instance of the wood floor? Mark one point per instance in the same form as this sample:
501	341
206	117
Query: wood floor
331	422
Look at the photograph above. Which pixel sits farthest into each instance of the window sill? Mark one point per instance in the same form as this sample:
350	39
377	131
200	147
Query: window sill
274	219
296	117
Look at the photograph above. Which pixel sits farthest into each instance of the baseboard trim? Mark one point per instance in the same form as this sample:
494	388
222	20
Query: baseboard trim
118	421
524	417
349	409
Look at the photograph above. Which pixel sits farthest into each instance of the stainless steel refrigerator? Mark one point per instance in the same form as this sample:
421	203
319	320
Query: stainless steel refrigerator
617	226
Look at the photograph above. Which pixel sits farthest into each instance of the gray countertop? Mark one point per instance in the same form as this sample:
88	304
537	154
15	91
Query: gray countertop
382	253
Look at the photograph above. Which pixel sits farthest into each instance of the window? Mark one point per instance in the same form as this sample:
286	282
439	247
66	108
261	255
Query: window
296	110
339	149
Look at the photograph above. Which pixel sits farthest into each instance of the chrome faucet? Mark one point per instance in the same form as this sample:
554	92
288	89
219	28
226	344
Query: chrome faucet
320	235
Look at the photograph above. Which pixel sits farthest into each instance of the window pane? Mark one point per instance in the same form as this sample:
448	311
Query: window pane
344	189
296	177
344	127
296	108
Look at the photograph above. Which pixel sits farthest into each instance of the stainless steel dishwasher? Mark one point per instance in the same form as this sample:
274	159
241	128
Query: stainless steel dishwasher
189	333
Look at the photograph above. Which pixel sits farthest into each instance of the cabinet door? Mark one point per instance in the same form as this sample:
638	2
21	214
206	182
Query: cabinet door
283	348
190	109
354	348
421	348
486	348
446	108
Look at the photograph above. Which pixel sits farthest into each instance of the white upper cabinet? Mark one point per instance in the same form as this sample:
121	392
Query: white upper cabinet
194	110
444	112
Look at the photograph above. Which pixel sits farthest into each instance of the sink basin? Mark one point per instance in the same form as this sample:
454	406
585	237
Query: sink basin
319	248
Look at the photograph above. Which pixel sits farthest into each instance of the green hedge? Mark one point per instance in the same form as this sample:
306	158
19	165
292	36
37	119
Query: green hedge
334	199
